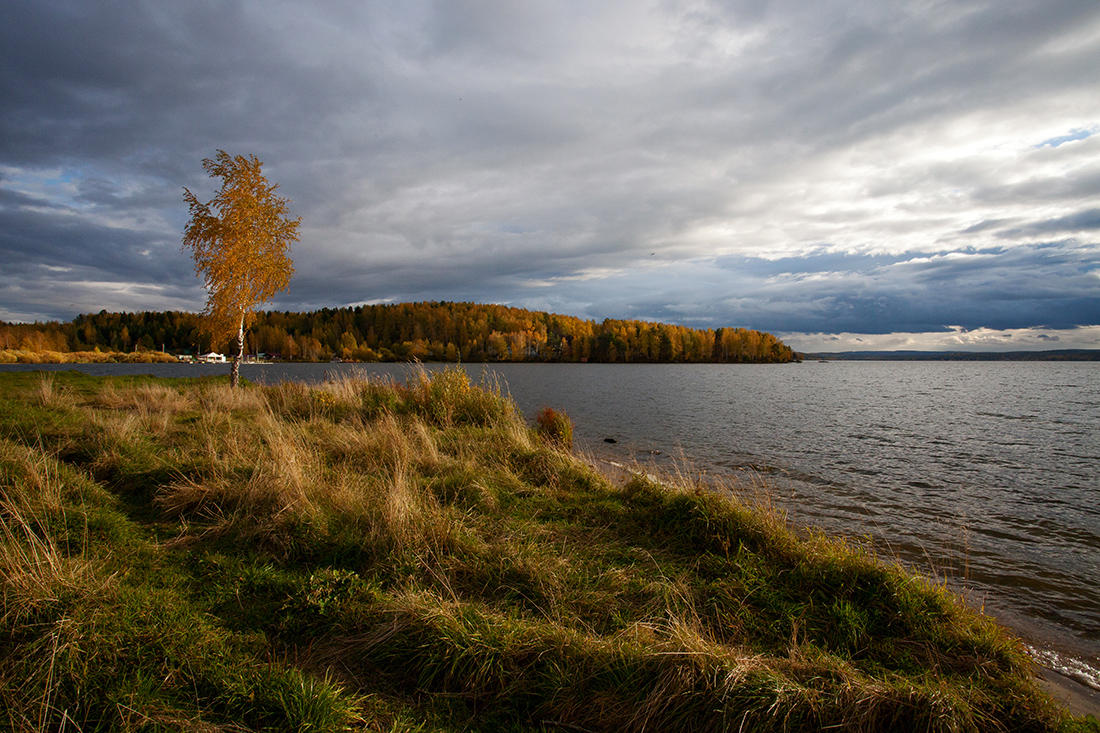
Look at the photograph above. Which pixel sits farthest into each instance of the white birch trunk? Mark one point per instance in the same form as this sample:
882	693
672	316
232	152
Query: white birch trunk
235	376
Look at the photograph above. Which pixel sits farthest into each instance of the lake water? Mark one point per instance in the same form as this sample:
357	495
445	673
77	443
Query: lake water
985	474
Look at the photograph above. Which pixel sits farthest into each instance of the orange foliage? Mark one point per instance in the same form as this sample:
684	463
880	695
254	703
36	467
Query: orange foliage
239	240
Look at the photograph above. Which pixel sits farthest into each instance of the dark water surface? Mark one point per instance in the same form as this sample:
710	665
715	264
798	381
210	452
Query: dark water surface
985	474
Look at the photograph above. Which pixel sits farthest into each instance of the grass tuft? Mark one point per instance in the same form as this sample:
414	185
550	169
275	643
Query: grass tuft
555	427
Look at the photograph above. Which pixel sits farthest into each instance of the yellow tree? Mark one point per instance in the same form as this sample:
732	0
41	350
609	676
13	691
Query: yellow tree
240	241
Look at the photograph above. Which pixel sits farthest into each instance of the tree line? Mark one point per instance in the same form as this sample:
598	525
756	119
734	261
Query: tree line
429	331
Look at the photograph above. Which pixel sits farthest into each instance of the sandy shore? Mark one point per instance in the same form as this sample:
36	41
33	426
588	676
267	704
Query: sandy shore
1080	700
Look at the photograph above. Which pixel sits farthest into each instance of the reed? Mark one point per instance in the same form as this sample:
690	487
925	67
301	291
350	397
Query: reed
25	356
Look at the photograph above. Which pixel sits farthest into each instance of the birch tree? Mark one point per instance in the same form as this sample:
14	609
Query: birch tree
240	241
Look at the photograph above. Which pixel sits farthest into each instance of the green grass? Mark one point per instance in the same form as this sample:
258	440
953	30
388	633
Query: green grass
366	555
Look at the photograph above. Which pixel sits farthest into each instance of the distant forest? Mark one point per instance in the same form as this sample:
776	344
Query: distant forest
428	331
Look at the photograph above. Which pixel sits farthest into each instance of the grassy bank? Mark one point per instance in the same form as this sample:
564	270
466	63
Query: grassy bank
24	356
179	555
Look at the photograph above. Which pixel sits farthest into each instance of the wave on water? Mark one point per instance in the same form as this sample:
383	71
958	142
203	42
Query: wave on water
1076	669
1006	417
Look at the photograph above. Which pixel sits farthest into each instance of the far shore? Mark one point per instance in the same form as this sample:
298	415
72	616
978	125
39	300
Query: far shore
23	356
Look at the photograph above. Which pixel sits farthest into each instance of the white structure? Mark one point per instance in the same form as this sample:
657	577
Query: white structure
213	358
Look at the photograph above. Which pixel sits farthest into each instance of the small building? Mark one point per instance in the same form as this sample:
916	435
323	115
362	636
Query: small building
213	358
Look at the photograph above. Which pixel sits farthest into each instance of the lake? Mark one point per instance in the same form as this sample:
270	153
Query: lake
984	474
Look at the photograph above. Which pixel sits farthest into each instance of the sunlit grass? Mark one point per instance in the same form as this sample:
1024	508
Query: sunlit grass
177	554
24	356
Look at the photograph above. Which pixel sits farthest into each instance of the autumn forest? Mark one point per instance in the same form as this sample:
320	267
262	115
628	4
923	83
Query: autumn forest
430	331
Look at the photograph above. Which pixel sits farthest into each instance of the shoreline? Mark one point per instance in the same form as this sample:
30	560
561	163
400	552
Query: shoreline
1077	696
1079	699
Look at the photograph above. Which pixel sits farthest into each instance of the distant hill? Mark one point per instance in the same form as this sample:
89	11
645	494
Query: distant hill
1055	355
429	331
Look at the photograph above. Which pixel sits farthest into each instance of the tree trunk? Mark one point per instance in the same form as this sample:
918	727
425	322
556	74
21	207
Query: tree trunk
235	376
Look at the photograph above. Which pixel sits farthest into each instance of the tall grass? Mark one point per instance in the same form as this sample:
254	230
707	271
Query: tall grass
95	638
368	553
41	573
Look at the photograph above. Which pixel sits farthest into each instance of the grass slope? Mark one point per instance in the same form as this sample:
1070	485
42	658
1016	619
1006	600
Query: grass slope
178	555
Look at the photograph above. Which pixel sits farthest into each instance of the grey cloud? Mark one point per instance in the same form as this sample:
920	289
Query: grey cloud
985	225
1081	221
1043	285
1083	185
465	150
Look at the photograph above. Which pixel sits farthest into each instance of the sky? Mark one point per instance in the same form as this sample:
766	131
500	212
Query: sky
848	175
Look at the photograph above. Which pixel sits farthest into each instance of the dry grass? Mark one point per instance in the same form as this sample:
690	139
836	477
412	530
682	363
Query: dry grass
33	497
36	573
144	398
29	479
261	478
391	445
47	393
423	537
23	356
222	399
41	575
270	478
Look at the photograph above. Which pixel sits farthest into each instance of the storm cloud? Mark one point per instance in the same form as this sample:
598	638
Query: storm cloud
835	167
